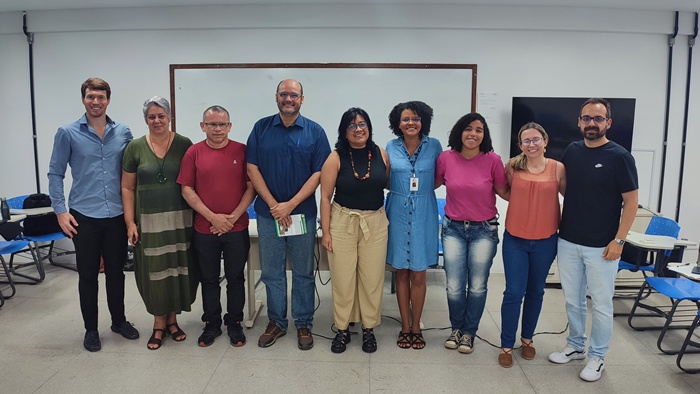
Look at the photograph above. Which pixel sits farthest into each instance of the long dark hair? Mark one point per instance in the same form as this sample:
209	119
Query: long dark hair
342	145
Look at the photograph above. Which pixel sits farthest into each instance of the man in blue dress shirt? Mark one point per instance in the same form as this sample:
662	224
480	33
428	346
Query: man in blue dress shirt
285	154
93	147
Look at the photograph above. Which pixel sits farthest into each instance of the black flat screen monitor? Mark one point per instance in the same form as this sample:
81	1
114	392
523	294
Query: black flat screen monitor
559	117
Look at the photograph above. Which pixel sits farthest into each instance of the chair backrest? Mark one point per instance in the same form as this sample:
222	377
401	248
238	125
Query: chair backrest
17	202
251	211
441	209
659	225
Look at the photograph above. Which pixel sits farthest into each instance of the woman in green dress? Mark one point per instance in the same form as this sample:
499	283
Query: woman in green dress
159	222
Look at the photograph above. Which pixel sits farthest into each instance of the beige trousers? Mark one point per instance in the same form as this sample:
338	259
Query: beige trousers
357	262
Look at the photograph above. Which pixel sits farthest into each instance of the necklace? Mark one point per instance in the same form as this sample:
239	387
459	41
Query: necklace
369	165
160	176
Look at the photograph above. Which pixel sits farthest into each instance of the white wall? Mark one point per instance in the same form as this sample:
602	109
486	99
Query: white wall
520	51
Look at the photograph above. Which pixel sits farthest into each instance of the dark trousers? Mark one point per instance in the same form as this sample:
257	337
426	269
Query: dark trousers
100	238
235	247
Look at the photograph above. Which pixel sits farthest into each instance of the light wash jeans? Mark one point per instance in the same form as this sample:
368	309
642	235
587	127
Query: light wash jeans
273	263
583	268
526	264
468	251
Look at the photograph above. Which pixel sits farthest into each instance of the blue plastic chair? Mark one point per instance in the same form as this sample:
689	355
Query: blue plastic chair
9	247
677	290
657	226
47	239
689	342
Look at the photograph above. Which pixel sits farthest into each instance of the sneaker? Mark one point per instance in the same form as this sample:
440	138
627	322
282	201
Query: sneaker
567	354
342	338
235	333
452	341
466	344
211	331
369	341
305	339
593	371
272	332
126	329
91	343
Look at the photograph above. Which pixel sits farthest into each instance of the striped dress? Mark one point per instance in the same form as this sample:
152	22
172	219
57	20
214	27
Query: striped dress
164	263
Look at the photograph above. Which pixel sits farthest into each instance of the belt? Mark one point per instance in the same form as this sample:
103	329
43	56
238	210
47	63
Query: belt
493	221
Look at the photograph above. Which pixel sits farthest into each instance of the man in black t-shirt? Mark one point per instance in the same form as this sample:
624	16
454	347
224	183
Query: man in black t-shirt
600	177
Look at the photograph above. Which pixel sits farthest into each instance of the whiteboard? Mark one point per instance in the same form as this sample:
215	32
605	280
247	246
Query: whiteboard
247	91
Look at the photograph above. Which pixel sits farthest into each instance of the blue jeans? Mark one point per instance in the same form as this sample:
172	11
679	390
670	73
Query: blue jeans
468	251
526	264
274	252
581	268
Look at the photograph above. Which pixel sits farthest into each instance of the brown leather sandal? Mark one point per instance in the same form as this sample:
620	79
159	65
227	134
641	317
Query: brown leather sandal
505	358
528	351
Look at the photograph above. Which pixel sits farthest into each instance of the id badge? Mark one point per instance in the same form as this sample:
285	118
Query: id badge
413	186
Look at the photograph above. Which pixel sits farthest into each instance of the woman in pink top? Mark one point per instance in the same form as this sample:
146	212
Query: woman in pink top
530	239
472	175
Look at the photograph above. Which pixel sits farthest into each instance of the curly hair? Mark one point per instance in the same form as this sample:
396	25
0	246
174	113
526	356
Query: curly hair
420	108
455	140
342	145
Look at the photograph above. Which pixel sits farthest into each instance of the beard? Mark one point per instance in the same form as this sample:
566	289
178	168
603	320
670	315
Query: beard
591	136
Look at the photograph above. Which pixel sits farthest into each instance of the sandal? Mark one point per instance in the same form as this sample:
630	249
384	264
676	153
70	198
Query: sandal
418	342
405	340
505	358
156	341
178	335
527	350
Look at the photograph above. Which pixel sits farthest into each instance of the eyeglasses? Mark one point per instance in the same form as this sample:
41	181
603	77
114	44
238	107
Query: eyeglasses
535	141
415	119
360	125
293	96
215	125
597	119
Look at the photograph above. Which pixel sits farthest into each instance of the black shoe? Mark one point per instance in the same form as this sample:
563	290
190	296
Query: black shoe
235	332
211	331
127	330
342	338
369	342
91	343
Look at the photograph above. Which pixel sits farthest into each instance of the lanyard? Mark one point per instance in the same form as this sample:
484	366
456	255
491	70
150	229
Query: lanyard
412	160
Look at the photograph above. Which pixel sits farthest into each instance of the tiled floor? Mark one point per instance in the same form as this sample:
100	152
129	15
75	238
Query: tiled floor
41	351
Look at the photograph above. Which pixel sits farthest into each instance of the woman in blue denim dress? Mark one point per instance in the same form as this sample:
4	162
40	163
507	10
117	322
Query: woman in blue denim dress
412	212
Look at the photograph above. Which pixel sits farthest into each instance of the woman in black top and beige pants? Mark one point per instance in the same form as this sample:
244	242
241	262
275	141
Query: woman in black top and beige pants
355	227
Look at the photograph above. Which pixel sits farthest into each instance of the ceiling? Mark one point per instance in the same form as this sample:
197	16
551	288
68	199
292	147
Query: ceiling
652	5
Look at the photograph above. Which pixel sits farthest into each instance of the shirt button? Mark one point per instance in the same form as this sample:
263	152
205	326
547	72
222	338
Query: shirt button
409	223
410	213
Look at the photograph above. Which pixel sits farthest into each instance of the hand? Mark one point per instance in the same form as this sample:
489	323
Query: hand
281	210
231	219
220	224
132	233
285	222
613	251
67	223
327	242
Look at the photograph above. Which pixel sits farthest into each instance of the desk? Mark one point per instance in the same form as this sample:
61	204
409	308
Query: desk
685	270
32	211
16	218
255	305
656	244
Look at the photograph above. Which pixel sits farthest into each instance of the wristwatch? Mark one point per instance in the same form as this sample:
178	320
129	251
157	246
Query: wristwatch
620	241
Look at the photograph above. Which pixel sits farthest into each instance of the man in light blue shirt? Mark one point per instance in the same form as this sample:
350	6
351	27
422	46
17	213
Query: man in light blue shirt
93	147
